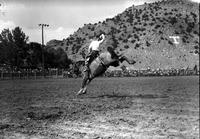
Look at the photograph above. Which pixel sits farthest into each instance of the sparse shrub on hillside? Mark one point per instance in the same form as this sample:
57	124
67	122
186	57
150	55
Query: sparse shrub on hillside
140	11
185	39
194	16
175	10
145	24
129	36
170	42
126	46
197	42
75	48
108	19
196	47
113	31
120	38
176	32
180	26
196	32
147	44
133	41
117	18
114	42
156	14
62	44
71	38
157	26
172	20
151	24
125	40
166	13
142	29
190	27
137	45
92	29
136	36
158	18
179	15
83	54
196	51
160	32
145	17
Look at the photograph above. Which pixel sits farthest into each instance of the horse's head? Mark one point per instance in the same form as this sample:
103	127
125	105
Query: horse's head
119	57
123	57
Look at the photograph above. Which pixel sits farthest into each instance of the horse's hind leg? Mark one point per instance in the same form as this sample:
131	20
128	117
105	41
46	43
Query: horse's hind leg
85	79
84	84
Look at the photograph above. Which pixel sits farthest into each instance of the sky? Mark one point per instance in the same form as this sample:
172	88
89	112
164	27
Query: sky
63	16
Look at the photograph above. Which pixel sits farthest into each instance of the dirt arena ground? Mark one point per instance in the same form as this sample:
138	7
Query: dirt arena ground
117	108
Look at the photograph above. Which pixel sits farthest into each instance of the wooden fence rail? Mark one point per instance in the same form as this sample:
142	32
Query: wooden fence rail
30	75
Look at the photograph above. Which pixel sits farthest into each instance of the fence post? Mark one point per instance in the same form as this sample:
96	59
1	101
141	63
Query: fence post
35	75
56	73
11	75
2	75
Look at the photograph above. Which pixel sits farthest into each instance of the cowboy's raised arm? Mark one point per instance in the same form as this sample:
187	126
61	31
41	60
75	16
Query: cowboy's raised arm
103	37
89	49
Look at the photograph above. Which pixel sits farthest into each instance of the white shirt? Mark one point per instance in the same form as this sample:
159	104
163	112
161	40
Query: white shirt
94	45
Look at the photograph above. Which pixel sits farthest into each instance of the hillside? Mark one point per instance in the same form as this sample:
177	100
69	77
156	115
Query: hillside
162	35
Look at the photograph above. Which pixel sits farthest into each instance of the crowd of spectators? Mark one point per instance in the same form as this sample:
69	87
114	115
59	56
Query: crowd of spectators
152	72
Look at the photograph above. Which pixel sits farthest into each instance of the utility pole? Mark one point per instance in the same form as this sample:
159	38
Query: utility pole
43	25
133	9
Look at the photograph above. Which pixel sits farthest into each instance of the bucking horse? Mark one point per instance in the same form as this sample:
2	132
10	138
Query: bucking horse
100	64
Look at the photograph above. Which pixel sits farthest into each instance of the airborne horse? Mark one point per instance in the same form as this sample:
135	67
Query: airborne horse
99	65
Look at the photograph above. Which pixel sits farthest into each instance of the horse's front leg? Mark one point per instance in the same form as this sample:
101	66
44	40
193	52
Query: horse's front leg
84	91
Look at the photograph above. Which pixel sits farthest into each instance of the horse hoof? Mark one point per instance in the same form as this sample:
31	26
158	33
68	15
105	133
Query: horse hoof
81	93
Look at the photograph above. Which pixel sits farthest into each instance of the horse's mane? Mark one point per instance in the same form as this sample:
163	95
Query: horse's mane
112	52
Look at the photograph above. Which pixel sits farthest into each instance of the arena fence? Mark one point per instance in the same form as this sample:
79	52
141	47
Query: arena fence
60	73
31	74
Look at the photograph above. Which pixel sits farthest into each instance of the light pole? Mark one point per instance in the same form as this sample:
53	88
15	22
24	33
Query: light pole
43	25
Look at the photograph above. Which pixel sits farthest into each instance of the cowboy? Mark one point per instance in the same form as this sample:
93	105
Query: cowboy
93	51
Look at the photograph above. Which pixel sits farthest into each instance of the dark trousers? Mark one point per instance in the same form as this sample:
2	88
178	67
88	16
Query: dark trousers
92	55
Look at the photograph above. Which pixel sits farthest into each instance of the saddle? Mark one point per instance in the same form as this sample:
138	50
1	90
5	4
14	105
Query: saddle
98	60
